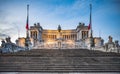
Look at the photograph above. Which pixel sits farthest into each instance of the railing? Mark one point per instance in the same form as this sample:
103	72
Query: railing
56	46
75	46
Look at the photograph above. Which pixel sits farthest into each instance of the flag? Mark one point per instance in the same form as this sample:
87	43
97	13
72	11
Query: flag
89	26
27	25
90	23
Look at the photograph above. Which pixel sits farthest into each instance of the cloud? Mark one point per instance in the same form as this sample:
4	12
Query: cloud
69	15
4	35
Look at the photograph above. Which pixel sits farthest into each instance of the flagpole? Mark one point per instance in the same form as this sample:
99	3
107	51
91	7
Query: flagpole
91	19
27	23
27	41
91	33
27	11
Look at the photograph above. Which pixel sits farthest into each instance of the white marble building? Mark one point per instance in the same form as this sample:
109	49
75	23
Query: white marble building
71	38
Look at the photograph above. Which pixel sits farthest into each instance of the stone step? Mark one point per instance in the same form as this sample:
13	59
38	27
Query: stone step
60	61
55	68
65	53
36	66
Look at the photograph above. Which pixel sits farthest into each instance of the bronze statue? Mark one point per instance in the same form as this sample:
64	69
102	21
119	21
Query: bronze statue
59	28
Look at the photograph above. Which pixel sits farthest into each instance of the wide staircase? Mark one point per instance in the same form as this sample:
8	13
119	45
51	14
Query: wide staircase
67	60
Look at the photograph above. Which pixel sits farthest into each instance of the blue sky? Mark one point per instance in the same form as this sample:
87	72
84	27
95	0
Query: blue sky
67	13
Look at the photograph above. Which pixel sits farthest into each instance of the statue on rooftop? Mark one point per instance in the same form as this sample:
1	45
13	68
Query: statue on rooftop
3	43
59	28
8	40
110	39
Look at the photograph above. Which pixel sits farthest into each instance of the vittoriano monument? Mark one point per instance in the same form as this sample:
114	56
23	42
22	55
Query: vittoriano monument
60	51
81	37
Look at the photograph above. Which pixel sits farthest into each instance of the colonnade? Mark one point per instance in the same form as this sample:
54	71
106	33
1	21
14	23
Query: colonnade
84	34
71	37
34	34
66	37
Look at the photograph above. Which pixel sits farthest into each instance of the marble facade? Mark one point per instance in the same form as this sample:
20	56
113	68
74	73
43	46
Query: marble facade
55	39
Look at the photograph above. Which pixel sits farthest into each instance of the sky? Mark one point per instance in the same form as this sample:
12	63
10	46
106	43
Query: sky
67	13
